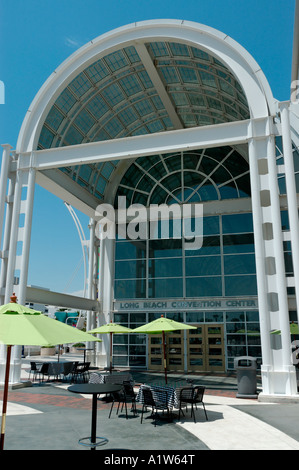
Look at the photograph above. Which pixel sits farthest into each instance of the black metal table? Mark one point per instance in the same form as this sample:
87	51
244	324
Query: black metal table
94	390
84	351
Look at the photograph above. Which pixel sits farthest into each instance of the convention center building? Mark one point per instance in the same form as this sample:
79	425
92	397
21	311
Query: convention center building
168	115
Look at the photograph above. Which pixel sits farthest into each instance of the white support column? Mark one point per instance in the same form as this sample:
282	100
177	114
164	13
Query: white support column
262	287
22	234
3	182
13	236
11	261
105	287
291	192
17	350
6	237
91	256
91	282
284	374
26	237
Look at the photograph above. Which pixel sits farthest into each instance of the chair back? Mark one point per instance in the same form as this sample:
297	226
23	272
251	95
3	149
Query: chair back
67	367
128	389
44	368
33	366
86	366
82	367
186	393
199	393
148	399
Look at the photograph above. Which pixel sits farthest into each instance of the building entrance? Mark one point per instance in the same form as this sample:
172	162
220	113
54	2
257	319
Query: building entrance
203	349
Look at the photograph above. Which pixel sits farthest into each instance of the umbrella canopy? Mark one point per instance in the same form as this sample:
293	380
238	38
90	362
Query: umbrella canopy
24	326
112	328
163	325
294	330
20	325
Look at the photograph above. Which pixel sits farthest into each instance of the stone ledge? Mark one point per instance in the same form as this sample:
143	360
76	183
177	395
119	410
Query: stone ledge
263	398
17	385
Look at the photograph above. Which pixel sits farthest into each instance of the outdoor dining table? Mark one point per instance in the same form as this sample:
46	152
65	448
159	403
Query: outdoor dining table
94	390
56	368
173	394
84	352
115	378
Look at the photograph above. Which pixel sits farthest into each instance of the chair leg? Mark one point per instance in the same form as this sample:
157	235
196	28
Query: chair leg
142	414
192	411
205	411
111	408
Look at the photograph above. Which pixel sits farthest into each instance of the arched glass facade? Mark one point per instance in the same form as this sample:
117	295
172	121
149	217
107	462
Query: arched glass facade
163	272
170	112
161	268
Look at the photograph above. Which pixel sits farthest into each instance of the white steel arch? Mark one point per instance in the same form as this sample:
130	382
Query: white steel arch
232	54
258	133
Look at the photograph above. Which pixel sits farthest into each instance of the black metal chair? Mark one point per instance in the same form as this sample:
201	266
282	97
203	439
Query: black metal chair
192	396
124	396
81	370
44	371
54	370
34	370
155	404
67	370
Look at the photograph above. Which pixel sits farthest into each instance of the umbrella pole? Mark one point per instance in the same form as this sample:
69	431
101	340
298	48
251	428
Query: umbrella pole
5	393
110	353
164	354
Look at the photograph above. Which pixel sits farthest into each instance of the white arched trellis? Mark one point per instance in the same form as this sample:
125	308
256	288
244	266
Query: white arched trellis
258	132
234	56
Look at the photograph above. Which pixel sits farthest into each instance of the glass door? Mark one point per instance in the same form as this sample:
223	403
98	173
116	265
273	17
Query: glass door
174	351
206	348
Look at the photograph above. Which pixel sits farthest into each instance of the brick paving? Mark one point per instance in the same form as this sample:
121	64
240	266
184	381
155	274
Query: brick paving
48	399
74	401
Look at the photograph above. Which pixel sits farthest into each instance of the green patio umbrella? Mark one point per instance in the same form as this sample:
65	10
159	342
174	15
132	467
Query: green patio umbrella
111	328
20	325
294	330
163	325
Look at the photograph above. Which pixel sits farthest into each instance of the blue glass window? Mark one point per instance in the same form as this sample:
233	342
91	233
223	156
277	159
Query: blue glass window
203	265
240	285
237	223
239	264
165	267
165	288
130	289
204	286
116	61
113	94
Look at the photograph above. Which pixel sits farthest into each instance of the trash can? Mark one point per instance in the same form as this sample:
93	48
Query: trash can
246	376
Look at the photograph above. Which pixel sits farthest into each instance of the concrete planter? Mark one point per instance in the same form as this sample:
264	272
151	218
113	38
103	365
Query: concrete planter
48	351
76	350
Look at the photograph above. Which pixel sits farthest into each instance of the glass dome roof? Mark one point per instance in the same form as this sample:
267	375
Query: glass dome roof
155	87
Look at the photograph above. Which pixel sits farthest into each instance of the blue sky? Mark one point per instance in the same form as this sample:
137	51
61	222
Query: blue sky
37	35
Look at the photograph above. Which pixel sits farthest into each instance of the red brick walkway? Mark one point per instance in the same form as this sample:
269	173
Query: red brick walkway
74	401
45	399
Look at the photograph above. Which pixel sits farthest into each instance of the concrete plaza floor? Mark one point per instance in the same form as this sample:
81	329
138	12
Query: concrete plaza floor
47	416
